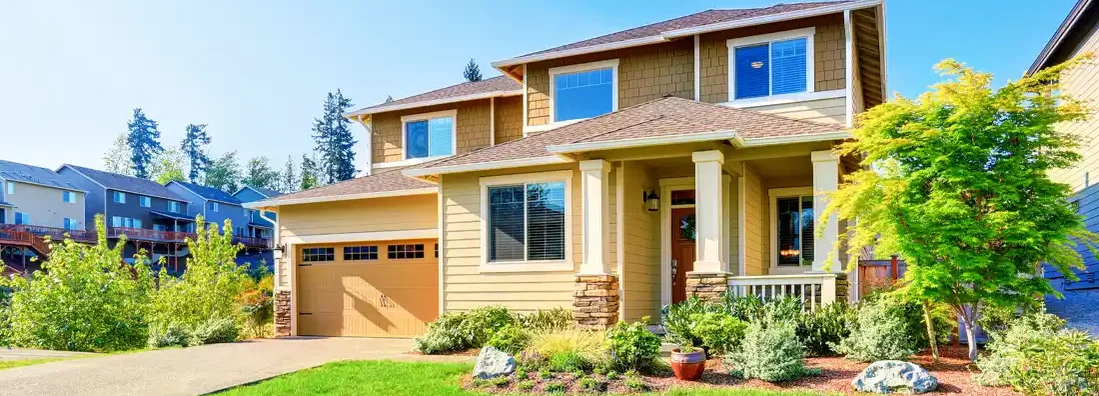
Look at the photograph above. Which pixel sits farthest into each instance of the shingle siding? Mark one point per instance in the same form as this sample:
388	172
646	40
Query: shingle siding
473	128
509	118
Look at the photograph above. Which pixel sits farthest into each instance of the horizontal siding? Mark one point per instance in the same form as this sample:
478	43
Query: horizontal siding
754	215
1083	83
641	267
825	111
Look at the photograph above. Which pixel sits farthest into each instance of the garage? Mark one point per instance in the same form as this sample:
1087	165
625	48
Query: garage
367	289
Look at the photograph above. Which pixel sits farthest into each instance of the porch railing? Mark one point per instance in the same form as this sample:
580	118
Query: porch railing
814	290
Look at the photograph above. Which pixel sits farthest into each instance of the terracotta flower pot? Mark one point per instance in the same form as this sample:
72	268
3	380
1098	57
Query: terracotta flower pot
688	366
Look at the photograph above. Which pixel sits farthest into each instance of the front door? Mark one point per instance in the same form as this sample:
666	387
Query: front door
683	250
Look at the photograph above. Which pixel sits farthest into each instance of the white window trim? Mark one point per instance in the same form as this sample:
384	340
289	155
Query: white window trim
141	199
178	206
216	207
65	196
10	187
582	67
774	194
453	114
810	73
567	264
121	195
26	218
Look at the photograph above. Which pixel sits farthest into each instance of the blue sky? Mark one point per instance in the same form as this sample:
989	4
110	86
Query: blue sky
257	72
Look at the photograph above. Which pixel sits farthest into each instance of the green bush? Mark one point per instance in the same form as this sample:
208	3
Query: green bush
84	299
770	353
567	361
820	329
526	385
636	384
1037	355
546	320
217	331
720	332
678	323
632	346
173	335
591	385
612	375
554	387
879	332
572	349
5	314
510	339
457	331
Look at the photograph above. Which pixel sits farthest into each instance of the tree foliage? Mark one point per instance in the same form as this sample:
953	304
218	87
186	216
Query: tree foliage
472	73
144	142
335	144
956	182
288	178
224	173
117	159
258	173
310	173
194	146
168	165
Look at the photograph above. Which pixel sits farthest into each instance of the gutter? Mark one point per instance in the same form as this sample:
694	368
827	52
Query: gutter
643	142
1060	35
481	166
352	115
334	198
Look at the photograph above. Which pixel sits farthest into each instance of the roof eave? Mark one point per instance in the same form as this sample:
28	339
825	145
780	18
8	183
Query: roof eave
1059	36
780	140
642	142
334	198
353	115
483	166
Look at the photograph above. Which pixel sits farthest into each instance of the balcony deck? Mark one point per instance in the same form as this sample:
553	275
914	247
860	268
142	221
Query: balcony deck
29	235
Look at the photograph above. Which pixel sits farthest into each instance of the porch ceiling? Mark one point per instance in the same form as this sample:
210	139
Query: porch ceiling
783	167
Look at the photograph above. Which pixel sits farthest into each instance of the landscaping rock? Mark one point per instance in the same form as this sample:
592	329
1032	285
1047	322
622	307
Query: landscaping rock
894	376
492	363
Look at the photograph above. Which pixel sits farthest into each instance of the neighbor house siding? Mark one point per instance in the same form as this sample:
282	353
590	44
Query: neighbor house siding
508	118
414	212
755	224
45	205
644	74
464	285
473	129
641	267
1082	82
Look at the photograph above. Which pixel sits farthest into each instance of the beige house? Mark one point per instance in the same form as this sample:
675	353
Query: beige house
611	176
35	196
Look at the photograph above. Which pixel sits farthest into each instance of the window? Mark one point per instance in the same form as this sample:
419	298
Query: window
430	134
403	252
173	206
71	224
356	253
119	221
314	255
771	64
145	202
160	227
68	196
22	218
213	206
794	225
11	188
584	91
119	197
247	213
526	222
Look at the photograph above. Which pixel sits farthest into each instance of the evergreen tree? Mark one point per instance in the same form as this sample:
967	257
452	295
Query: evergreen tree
143	141
309	173
389	99
224	173
168	165
332	132
117	159
194	146
472	72
289	179
258	173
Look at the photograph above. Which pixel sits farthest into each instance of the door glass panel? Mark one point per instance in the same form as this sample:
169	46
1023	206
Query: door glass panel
687	227
683	197
789	231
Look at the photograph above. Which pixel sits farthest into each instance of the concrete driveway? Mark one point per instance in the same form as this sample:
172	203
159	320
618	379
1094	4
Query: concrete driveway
197	370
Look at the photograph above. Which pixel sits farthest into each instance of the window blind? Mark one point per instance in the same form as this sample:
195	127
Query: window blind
788	66
807	231
416	138
752	71
506	240
546	221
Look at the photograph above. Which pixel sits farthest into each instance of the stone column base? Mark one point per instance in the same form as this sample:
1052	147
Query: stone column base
595	301
707	286
282	313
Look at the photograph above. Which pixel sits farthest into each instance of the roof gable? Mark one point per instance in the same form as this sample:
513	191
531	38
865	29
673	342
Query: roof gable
208	193
130	184
484	89
14	171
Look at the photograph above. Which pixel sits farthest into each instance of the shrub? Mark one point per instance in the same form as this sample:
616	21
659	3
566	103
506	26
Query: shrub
545	374
257	308
510	339
554	387
820	329
720	332
173	335
632	346
591	385
567	361
636	384
217	331
5	314
587	347
612	375
526	385
879	332
456	331
83	299
912	312
521	374
1038	356
770	353
678	323
546	320
711	326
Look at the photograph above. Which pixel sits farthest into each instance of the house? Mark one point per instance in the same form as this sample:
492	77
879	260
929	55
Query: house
258	226
214	205
612	175
35	196
1076	36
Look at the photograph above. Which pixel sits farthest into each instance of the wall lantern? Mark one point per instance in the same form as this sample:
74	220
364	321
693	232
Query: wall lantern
652	201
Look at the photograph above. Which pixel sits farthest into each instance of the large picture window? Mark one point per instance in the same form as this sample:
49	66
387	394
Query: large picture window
794	216
772	64
429	135
584	91
526	222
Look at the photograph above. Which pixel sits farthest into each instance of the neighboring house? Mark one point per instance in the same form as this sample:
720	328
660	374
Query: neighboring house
1076	36
258	226
36	196
214	205
613	175
130	202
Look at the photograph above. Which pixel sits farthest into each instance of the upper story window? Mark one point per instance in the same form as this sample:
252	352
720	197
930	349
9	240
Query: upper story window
771	64
119	197
174	206
119	221
11	188
430	134
213	206
584	91
145	202
68	196
527	219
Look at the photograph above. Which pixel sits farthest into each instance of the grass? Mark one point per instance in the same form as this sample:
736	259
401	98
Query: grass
7	364
409	379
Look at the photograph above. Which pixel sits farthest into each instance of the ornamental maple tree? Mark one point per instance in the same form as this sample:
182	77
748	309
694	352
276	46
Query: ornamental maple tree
956	181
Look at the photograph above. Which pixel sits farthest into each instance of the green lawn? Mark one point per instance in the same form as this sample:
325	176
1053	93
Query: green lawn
7	364
406	379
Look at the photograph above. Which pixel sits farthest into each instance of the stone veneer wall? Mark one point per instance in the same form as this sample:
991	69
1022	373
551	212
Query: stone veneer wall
707	286
595	301
282	313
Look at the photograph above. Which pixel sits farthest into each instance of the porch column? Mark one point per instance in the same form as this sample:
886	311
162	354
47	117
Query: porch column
595	297
709	279
826	178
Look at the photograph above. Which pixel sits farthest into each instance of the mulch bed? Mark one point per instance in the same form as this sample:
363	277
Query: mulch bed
954	372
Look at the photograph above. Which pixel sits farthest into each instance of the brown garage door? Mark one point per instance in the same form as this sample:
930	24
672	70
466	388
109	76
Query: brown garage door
367	289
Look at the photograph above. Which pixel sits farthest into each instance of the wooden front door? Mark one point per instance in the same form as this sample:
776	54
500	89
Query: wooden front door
683	250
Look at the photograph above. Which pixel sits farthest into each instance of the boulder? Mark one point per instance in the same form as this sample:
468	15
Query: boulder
492	363
894	376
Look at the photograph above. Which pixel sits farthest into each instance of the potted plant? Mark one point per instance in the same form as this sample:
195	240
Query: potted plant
688	362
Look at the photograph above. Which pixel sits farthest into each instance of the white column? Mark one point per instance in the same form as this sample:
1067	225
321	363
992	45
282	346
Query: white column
708	212
595	196
826	179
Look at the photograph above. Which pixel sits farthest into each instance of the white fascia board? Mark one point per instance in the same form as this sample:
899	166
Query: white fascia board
334	198
786	16
779	140
481	166
426	233
642	142
367	111
579	51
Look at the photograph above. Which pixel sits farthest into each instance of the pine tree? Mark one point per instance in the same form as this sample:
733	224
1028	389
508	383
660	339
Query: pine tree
309	172
143	141
117	160
389	99
258	173
224	173
289	179
332	132
194	146
472	72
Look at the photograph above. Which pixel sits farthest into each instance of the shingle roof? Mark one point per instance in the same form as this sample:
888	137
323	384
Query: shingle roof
703	18
499	84
209	193
125	183
15	171
667	116
266	192
385	180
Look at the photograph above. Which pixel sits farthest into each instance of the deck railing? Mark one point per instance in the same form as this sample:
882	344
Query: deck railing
56	234
814	290
18	235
